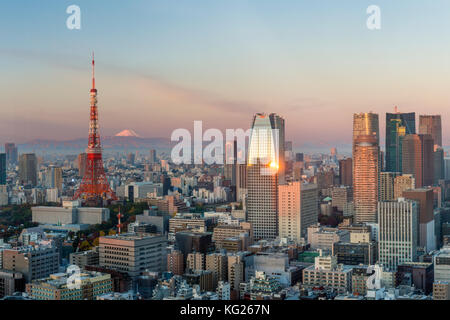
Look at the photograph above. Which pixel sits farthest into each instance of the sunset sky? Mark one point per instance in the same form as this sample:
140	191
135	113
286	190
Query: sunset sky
162	64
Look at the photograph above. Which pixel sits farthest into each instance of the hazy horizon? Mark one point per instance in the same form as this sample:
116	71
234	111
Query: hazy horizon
163	65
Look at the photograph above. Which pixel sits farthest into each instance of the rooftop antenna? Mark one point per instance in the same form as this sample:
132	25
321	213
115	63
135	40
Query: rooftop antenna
119	225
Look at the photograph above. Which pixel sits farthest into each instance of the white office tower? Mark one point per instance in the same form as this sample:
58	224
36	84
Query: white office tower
262	179
398	232
297	209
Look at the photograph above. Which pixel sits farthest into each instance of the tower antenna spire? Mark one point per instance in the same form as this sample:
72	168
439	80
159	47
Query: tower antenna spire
93	70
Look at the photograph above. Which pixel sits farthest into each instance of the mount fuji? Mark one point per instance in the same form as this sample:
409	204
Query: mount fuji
128	133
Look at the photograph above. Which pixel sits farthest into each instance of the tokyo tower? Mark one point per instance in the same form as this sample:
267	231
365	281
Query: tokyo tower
94	187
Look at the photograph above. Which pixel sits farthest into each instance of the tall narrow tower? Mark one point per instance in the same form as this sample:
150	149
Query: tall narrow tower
262	179
94	187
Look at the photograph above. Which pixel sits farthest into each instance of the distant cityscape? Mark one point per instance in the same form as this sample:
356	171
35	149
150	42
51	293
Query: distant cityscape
282	226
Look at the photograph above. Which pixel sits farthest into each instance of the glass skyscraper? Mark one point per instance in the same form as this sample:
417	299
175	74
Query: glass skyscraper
398	125
262	179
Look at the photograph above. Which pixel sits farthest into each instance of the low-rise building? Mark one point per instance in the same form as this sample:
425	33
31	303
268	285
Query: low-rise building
64	286
70	213
441	290
133	253
33	261
11	282
355	253
328	273
85	258
320	237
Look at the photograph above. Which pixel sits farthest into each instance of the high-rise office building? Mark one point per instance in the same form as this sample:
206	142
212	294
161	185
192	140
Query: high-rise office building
431	125
438	165
365	178
82	161
28	169
402	183
341	196
417	158
241	182
152	159
395	137
2	168
397	233
262	179
297	170
398	125
230	167
386	189
297	209
53	178
345	172
11	153
424	198
447	168
131	158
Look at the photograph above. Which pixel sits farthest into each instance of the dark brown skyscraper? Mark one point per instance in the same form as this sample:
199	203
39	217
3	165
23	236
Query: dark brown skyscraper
28	169
345	172
418	158
439	166
425	199
431	125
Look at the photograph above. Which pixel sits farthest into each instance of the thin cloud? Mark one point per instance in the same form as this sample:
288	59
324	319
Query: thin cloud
192	96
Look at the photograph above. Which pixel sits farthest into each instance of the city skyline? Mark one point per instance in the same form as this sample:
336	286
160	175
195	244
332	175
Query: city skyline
283	61
208	154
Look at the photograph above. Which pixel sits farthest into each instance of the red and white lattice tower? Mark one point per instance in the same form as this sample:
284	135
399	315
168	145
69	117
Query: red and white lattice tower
94	187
